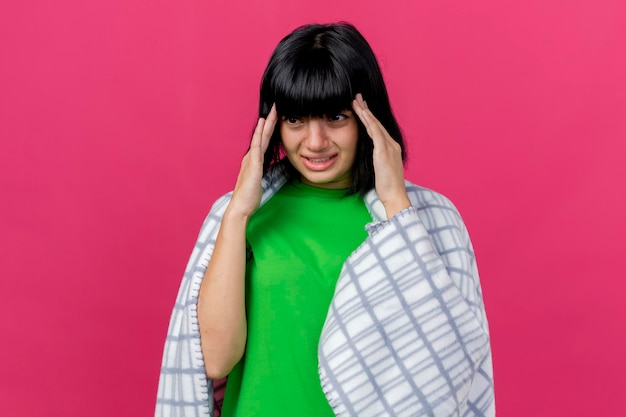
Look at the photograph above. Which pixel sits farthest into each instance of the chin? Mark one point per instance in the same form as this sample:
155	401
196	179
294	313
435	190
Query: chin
321	181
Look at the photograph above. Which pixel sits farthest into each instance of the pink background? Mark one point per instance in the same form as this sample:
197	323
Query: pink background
122	120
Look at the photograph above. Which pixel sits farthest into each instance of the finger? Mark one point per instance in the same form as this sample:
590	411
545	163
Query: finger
255	143
268	128
375	129
364	113
369	116
362	101
358	108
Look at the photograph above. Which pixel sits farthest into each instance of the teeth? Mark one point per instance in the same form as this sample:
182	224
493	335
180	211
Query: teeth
319	160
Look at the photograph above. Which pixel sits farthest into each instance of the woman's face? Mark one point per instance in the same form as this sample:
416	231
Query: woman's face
322	149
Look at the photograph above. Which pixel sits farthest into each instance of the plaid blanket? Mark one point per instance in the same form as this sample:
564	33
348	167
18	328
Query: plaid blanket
406	332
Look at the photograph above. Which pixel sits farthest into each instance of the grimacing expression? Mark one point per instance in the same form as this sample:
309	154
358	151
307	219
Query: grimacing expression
322	149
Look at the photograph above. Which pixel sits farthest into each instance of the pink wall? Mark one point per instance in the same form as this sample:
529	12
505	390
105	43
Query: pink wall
121	121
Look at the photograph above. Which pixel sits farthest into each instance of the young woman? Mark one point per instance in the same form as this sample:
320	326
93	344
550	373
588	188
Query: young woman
325	284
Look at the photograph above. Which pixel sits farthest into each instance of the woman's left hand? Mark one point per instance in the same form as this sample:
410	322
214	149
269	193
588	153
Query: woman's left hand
388	166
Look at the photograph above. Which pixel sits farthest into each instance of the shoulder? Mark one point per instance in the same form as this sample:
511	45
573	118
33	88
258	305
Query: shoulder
219	205
439	214
425	198
213	219
434	207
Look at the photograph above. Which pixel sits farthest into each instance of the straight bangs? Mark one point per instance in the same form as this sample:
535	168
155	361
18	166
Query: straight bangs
312	86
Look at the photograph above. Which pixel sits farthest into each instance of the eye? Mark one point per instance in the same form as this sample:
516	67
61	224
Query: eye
292	120
337	117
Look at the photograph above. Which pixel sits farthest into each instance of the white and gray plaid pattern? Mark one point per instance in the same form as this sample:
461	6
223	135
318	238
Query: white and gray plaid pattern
406	332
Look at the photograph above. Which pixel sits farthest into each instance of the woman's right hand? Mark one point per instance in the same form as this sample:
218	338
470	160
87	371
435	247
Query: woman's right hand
221	300
247	193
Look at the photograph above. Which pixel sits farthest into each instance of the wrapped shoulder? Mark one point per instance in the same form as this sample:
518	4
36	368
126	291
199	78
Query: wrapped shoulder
435	209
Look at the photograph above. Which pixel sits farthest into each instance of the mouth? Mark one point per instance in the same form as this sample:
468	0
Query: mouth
319	160
319	163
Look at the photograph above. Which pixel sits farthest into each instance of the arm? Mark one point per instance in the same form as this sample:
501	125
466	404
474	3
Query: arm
406	332
221	300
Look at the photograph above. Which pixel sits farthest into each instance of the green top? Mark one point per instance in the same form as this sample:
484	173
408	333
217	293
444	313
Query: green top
299	240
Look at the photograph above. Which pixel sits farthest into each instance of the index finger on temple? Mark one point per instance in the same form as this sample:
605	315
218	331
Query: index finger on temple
268	128
369	120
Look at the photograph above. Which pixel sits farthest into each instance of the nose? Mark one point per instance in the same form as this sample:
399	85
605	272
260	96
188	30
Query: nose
316	139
